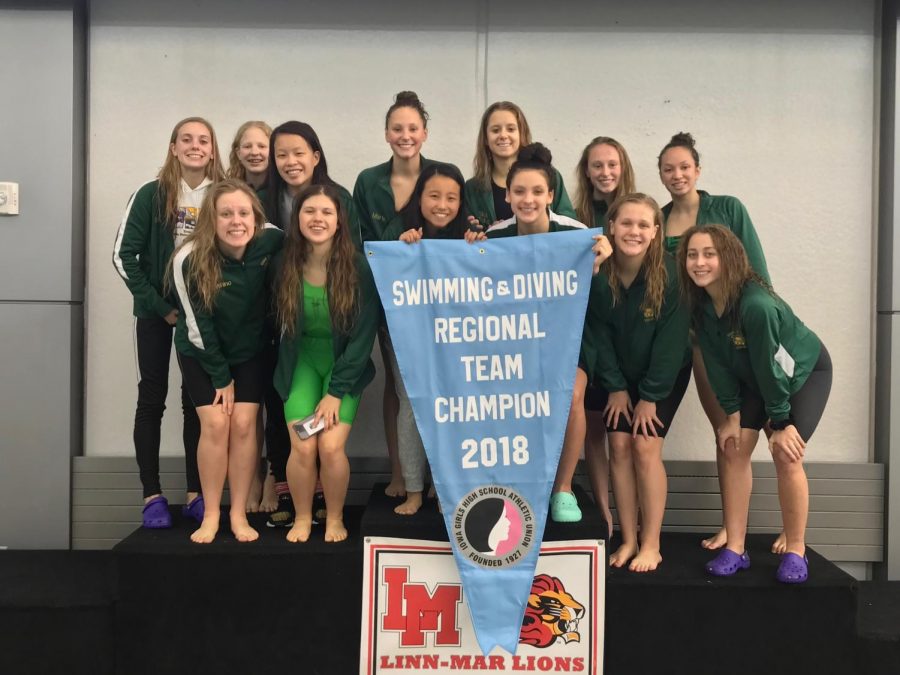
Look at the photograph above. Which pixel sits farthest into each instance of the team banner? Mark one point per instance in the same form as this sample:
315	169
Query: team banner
415	616
487	337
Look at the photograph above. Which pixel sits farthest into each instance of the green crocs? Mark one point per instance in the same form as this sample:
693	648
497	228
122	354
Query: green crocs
564	508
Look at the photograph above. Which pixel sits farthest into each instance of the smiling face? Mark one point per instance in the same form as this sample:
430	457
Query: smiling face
253	151
502	134
530	198
702	261
318	219
678	171
405	132
193	147
633	229
235	222
604	170
295	160
440	201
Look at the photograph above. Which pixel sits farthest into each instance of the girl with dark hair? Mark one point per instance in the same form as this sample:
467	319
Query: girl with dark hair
221	277
327	312
636	348
435	211
160	215
679	170
502	133
249	158
530	194
296	161
768	371
604	173
379	194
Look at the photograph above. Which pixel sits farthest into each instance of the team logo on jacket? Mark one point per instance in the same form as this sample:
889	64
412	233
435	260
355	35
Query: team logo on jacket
737	340
493	526
550	615
649	315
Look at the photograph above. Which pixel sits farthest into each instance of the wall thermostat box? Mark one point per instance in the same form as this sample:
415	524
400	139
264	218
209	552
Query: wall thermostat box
9	199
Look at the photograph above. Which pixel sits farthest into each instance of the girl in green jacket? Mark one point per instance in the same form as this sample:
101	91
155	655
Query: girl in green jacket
679	171
221	275
502	133
160	214
604	173
768	371
328	313
636	349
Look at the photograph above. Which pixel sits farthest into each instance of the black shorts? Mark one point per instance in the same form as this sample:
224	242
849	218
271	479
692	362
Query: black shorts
249	380
807	405
665	409
595	397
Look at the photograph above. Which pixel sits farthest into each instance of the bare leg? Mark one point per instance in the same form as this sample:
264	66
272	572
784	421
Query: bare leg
621	470
573	441
301	475
596	462
243	465
716	417
652	486
212	463
335	476
736	483
793	494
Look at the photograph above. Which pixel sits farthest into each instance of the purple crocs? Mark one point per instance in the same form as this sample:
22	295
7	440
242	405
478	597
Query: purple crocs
156	514
728	563
195	509
793	569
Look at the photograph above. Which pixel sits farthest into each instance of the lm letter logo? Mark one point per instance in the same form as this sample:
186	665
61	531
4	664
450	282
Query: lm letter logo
413	611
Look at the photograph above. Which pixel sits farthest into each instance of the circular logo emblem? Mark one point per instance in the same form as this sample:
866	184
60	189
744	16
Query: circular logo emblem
493	526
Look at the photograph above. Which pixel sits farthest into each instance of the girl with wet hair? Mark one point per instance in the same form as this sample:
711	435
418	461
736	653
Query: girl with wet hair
159	216
679	171
327	311
768	371
530	194
636	349
221	278
249	158
502	133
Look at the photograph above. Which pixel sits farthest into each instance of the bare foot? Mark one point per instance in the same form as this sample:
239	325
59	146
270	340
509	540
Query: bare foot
207	530
335	530
779	546
716	541
647	560
241	528
299	533
269	500
255	494
396	488
412	504
623	554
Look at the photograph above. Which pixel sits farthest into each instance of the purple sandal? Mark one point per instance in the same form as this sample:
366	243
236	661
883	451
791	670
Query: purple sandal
156	514
195	509
793	569
727	563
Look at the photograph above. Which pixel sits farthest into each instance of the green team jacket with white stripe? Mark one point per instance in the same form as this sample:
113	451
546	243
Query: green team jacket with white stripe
768	350
144	245
480	201
353	369
233	332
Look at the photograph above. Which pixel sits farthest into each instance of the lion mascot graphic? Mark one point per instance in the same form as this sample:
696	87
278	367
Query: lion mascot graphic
551	614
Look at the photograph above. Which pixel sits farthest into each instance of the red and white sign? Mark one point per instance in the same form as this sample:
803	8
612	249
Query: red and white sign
415	617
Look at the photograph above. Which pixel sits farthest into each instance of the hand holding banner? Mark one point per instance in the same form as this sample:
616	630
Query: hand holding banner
487	337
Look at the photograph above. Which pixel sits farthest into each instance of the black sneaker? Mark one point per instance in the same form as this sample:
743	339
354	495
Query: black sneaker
283	516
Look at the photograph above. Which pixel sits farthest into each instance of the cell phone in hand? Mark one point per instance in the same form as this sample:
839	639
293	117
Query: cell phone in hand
307	427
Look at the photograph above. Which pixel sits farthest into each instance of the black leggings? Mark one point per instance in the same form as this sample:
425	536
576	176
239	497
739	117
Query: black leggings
278	442
807	405
154	346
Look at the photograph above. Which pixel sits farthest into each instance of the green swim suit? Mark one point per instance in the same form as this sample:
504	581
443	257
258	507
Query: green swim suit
315	359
